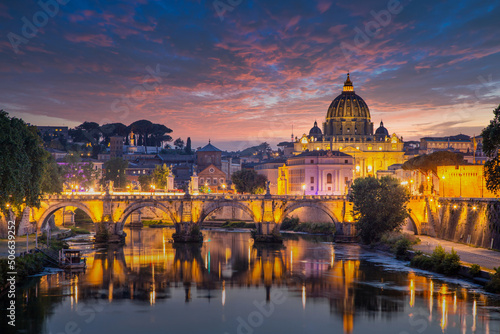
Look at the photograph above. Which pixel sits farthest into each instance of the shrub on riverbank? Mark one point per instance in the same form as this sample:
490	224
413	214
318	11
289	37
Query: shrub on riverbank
230	224
475	270
79	230
494	284
294	224
155	222
440	261
399	243
28	264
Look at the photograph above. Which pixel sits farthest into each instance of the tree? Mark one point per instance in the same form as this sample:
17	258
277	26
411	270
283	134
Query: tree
115	171
491	146
52	177
188	148
160	176
179	144
22	162
427	164
249	181
145	181
379	205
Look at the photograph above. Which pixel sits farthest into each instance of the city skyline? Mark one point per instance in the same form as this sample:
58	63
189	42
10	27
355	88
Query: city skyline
242	72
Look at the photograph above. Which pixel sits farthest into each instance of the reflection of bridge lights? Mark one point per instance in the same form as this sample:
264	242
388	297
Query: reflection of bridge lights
304	296
223	293
444	313
412	293
474	315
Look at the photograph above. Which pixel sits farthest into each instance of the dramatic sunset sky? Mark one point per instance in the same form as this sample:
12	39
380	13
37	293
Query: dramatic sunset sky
244	71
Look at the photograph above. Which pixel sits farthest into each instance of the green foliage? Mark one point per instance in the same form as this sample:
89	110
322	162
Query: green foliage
475	270
491	135
427	163
22	163
494	284
188	148
249	181
79	230
195	230
290	223
440	261
155	222
102	233
401	249
179	144
145	181
294	224
379	205
52	177
115	171
204	189
230	224
316	228
492	175
160	176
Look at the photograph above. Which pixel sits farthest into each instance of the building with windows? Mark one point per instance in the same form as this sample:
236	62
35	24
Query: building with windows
348	129
316	173
209	166
459	143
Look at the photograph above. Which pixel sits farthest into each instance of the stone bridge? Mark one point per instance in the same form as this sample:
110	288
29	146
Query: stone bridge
266	211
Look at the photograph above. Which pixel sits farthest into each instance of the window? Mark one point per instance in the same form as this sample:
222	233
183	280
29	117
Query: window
215	181
312	161
312	188
312	179
201	180
221	181
328	178
208	181
329	188
346	161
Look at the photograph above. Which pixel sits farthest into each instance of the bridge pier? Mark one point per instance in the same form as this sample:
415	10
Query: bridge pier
109	232
267	232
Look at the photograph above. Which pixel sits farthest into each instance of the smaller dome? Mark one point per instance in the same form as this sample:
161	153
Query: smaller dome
382	131
315	131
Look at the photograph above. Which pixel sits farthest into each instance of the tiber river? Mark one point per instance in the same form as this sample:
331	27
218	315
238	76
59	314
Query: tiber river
229	286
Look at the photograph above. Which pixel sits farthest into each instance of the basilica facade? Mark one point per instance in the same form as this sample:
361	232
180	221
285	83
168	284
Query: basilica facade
348	129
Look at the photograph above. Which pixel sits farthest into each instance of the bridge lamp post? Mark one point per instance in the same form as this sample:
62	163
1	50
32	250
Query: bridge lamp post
304	189
443	177
223	188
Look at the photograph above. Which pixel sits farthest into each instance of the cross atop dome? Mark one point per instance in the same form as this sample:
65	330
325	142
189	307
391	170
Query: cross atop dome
348	87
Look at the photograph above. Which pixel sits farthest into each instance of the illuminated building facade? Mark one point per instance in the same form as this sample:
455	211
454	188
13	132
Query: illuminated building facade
348	129
316	173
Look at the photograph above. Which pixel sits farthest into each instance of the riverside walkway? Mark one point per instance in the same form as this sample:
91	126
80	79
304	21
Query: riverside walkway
486	258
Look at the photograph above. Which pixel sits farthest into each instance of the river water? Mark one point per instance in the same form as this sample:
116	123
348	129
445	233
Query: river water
230	286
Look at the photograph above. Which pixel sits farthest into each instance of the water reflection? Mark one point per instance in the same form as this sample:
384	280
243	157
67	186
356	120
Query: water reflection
356	290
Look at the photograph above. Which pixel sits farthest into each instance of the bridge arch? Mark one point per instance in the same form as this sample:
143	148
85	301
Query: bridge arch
413	223
143	204
51	209
310	204
211	207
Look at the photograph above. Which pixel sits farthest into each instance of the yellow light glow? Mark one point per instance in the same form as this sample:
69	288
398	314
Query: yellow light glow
474	208
358	168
